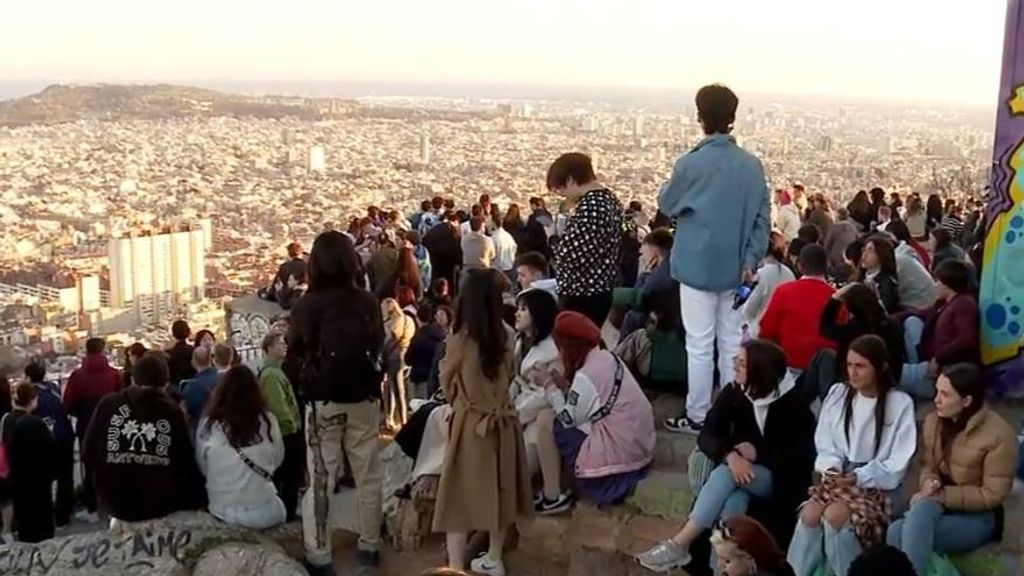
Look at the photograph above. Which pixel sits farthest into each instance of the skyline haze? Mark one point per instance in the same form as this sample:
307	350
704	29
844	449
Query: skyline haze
894	51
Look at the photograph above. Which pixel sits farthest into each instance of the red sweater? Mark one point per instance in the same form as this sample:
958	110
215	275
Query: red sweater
86	387
792	319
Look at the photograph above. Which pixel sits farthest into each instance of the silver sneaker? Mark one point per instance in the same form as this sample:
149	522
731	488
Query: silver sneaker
664	557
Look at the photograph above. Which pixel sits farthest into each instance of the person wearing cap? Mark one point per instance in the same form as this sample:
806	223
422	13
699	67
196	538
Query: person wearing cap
745	548
604	425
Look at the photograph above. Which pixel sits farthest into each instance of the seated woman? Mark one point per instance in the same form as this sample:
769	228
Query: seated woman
745	548
656	355
760	432
773	271
865	439
968	456
536	354
945	334
604	425
878	272
238	447
864	316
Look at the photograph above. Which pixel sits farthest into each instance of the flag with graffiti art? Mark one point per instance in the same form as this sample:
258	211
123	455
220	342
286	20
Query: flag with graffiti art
1002	285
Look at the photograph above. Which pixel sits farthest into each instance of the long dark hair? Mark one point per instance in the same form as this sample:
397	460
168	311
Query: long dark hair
478	314
408	271
766	367
333	263
935	208
967	380
872	348
862	302
886	254
777	247
237	403
543	309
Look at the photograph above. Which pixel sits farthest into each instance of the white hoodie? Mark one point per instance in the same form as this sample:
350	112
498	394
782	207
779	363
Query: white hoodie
761	405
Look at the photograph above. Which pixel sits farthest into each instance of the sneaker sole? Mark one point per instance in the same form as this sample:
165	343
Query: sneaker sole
662	569
555	511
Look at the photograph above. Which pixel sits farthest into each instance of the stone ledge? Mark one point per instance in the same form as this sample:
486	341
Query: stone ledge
182	543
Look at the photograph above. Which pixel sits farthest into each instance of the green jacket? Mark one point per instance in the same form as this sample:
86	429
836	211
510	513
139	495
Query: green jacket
280	396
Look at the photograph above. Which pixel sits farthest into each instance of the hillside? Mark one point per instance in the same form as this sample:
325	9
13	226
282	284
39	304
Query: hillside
68	103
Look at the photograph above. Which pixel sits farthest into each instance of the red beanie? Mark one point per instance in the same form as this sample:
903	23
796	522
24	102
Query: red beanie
575	335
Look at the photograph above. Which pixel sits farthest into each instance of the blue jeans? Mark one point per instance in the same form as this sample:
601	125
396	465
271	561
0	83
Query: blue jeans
915	380
913	328
812	547
721	497
929	527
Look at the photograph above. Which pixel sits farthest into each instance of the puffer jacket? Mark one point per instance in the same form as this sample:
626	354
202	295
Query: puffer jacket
981	466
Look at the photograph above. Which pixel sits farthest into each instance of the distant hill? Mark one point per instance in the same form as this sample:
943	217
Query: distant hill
68	103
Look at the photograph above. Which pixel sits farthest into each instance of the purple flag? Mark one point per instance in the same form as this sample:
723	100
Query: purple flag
1002	282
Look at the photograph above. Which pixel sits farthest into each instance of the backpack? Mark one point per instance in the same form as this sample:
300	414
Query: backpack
342	363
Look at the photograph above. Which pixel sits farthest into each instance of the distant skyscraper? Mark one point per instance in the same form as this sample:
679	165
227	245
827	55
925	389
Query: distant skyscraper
153	273
425	148
317	159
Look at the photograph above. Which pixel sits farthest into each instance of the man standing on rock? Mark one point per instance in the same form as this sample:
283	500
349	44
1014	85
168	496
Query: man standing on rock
719	198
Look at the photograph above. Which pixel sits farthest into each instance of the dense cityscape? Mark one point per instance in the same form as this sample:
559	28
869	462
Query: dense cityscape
227	193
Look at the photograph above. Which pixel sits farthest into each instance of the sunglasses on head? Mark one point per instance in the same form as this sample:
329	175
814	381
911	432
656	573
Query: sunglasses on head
723	528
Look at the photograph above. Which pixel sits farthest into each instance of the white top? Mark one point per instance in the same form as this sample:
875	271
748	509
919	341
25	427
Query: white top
769	276
787	221
229	481
527	389
884	470
575	407
504	250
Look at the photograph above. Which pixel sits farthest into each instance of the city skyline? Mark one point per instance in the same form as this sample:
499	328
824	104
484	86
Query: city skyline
910	50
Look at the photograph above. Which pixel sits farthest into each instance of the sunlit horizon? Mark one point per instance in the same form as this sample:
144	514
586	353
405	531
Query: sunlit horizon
909	50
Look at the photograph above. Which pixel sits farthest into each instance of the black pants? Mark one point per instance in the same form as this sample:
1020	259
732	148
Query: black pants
65	466
33	512
594	307
288	476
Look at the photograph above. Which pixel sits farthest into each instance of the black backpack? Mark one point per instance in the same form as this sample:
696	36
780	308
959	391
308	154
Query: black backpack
343	362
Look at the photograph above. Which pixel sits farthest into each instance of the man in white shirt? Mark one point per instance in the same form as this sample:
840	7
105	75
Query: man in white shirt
504	250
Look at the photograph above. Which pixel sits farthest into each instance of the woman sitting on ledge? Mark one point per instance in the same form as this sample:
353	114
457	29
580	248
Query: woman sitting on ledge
760	432
865	439
604	425
968	456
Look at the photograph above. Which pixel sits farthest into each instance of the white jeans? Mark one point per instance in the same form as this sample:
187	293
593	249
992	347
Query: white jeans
708	316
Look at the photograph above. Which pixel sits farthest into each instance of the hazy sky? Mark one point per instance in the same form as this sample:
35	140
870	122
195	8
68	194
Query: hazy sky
937	50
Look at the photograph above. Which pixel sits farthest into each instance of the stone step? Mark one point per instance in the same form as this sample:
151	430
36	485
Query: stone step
672	451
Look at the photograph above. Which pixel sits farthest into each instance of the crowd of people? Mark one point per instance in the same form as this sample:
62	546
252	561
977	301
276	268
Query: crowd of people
480	341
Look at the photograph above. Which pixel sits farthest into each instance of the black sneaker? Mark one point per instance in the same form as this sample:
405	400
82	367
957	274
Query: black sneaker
314	570
554	507
683	425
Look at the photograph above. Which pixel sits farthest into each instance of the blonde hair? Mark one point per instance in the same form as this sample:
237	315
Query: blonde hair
729	550
391	308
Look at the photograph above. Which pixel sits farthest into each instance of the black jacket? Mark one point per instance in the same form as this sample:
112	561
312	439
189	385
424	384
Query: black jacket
420	355
445	249
179	363
331	330
143	463
786	448
844	334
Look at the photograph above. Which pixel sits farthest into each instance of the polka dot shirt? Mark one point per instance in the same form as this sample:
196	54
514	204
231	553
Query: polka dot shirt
587	256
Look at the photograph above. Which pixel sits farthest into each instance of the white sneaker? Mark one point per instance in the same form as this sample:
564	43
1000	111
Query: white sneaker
87	517
664	557
484	565
7	538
